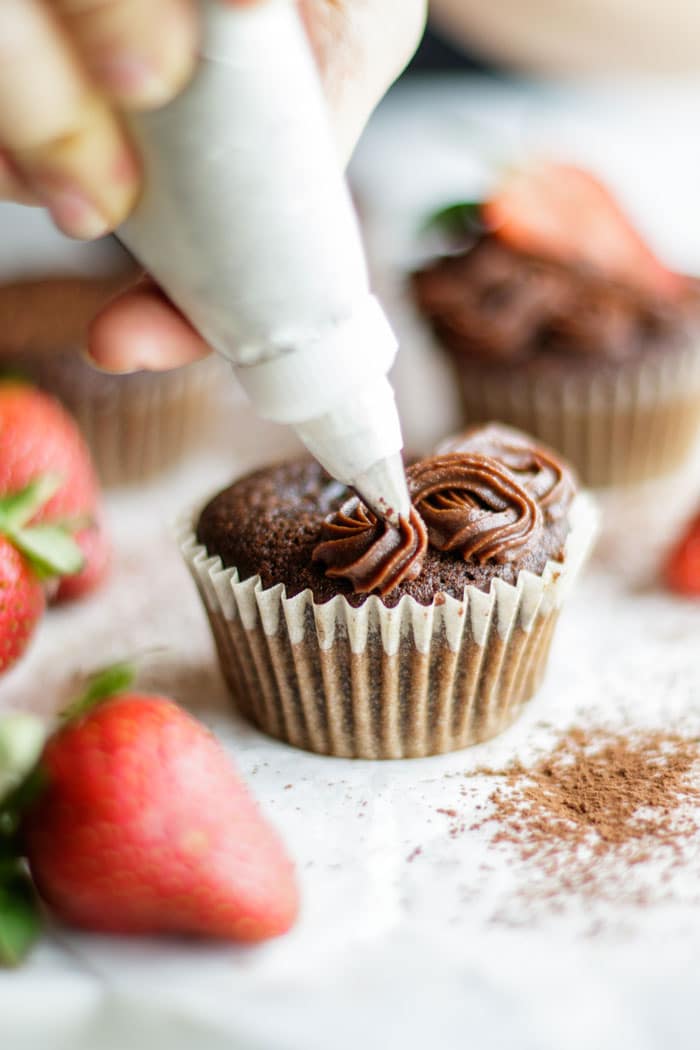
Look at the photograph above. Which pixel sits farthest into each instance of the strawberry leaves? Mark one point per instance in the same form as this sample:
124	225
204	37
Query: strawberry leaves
17	508
20	920
107	682
21	779
49	547
456	221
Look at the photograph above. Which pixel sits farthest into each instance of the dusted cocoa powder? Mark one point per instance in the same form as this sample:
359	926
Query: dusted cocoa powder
597	806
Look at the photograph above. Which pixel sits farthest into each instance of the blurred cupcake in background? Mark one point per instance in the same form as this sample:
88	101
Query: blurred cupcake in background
557	318
136	425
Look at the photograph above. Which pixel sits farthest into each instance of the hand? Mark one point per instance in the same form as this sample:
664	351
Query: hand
69	67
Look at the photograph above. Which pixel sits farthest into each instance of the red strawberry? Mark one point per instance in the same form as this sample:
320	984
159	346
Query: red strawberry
144	826
683	565
564	212
21	604
28	554
37	437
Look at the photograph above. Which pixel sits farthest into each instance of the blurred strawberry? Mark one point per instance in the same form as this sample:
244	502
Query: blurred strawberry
39	437
21	604
683	565
29	554
564	212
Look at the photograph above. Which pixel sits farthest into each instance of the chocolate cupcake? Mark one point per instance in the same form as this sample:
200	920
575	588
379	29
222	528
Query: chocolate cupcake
343	635
605	373
136	425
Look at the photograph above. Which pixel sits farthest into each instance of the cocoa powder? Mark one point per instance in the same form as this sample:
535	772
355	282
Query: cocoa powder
598	805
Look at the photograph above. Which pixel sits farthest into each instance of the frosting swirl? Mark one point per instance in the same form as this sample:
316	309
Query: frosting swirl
537	469
474	505
372	554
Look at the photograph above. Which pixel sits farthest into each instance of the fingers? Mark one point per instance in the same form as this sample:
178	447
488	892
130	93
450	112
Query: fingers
60	136
12	186
141	330
140	52
63	64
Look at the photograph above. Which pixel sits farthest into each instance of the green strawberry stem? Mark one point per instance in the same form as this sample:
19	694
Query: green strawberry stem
20	918
462	218
17	508
109	681
49	547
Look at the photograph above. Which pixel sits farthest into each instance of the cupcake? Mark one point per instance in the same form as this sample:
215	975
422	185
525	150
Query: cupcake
136	425
343	635
557	319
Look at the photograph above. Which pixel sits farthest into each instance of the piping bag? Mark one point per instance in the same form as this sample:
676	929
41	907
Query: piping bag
246	222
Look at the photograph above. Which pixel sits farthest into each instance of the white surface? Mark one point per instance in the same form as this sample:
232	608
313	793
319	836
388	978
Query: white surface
437	951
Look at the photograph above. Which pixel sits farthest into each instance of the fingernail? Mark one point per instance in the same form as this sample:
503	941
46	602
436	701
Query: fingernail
98	366
132	77
73	212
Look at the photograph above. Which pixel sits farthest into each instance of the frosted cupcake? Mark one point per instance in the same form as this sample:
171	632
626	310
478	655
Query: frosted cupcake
557	318
340	634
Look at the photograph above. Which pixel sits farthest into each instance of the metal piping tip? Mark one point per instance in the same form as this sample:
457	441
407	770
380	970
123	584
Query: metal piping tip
383	488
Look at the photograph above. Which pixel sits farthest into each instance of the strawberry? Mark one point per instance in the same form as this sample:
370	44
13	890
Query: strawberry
564	212
140	824
683	564
38	437
21	604
28	555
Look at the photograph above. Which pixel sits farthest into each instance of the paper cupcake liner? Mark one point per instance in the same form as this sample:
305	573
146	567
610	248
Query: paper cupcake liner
136	425
617	426
378	682
136	434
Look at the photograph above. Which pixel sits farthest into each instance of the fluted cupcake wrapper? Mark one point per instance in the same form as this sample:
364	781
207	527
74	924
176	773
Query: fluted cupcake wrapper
378	682
136	433
136	425
617	426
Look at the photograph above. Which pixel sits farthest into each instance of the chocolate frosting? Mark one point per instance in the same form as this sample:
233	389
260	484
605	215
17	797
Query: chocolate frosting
492	302
473	505
486	497
368	552
542	473
269	524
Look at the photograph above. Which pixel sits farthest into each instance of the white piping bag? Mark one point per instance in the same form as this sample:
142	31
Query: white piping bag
246	222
